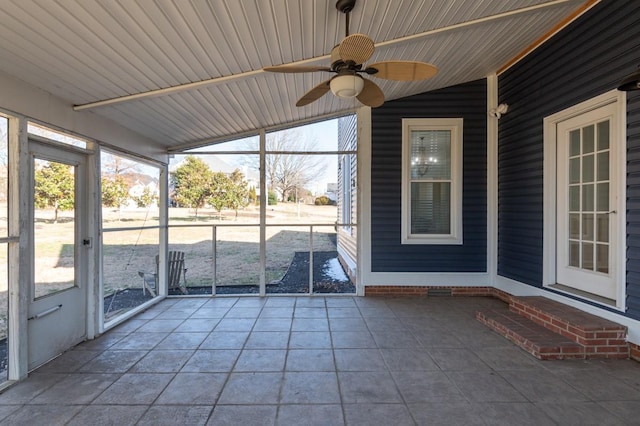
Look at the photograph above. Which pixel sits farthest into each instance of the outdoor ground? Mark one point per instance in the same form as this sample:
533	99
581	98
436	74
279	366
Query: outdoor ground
128	249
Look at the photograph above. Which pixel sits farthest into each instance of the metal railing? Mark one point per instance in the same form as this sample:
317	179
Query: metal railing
214	232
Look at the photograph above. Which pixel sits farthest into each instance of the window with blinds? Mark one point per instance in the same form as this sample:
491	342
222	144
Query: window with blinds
432	181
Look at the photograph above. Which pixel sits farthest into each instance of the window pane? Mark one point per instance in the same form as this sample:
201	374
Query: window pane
574	254
431	154
574	170
430	207
603	135
602	258
603	197
130	192
53	227
247	144
574	225
587	226
602	231
587	168
574	143
587	256
129	262
574	198
587	139
306	138
587	198
603	166
54	135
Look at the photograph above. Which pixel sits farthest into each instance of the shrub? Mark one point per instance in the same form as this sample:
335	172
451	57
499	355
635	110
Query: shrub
322	200
272	198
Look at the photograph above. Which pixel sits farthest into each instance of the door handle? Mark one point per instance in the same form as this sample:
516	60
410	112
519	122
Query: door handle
612	212
45	313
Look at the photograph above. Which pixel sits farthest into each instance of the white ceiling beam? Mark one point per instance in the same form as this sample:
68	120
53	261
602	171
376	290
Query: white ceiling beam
251	74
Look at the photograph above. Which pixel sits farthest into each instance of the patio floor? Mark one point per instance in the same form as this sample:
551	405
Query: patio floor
318	360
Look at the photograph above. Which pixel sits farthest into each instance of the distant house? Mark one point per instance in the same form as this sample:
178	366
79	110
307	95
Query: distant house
332	192
138	189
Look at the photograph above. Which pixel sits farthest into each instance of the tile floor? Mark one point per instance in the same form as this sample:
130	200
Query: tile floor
318	361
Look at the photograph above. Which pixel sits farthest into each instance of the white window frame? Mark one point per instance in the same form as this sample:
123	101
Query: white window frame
455	126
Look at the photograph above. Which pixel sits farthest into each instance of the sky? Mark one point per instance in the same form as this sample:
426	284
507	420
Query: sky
324	136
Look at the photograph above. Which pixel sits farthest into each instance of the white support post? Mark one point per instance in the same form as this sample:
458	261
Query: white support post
19	275
163	248
95	301
363	267
311	259
492	180
263	215
214	251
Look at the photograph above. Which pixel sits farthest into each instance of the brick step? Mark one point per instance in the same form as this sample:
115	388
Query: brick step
600	337
530	336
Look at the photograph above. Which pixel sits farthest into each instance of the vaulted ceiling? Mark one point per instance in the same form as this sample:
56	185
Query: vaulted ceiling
208	54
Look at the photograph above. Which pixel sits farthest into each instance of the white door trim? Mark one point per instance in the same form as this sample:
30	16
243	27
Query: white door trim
550	185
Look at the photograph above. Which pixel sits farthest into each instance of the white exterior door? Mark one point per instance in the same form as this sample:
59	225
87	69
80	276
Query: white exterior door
587	226
57	312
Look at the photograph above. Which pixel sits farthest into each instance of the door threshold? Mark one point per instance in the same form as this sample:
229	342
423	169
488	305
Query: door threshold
583	295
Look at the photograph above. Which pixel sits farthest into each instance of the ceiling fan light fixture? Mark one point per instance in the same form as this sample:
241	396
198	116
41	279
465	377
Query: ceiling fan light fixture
347	86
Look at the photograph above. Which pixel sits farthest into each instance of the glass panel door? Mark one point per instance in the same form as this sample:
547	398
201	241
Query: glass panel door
585	200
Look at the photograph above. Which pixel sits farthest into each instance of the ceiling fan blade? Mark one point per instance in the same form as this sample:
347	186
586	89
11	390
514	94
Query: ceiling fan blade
314	94
357	48
404	70
371	94
294	69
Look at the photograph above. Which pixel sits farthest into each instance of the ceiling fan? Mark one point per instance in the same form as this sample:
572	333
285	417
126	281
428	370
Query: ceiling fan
347	62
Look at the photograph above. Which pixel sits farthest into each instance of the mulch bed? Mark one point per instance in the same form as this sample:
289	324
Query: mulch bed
328	277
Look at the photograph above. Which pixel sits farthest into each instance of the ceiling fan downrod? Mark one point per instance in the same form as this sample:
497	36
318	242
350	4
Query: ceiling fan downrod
346	6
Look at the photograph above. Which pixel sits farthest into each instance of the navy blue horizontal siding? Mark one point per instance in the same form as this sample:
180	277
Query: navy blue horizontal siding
633	204
467	101
587	58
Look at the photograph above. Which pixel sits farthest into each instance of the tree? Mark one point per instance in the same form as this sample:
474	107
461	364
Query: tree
192	183
253	195
54	187
146	198
115	192
238	194
285	171
116	165
220	187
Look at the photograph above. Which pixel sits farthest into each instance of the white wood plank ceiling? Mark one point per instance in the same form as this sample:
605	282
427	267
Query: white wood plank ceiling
86	51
